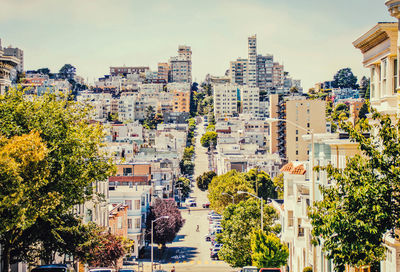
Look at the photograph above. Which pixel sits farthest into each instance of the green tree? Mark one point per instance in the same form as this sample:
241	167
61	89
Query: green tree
364	86
363	111
261	183
184	185
238	222
74	160
188	153
67	72
205	179
230	183
267	250
23	175
278	183
210	127
364	202
208	138
344	78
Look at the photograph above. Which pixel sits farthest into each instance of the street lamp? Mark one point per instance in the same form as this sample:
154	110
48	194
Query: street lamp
152	230
233	198
309	131
262	210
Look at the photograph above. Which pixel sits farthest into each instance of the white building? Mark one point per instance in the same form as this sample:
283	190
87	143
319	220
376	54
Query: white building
225	100
250	100
137	198
252	64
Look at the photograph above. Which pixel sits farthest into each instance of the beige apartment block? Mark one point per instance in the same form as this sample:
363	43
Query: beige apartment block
306	113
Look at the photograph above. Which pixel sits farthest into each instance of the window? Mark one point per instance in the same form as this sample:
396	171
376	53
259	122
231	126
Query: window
137	223
127	171
395	72
297	131
129	204
297	152
119	222
129	223
290	218
137	204
308	125
297	139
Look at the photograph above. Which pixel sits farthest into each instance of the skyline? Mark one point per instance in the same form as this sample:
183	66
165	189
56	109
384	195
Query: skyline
94	35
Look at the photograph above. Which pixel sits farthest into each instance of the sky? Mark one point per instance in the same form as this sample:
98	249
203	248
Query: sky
312	38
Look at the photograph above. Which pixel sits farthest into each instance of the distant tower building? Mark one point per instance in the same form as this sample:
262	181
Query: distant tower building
264	72
181	66
278	75
238	71
252	64
18	53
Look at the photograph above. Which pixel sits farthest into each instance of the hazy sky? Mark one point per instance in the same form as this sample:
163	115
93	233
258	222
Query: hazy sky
312	38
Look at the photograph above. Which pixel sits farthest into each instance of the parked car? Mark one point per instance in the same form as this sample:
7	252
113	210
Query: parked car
53	268
126	270
270	270
206	205
216	246
249	269
102	269
215	217
210	236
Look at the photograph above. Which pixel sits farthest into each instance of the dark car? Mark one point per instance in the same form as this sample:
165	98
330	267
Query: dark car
53	268
214	254
206	205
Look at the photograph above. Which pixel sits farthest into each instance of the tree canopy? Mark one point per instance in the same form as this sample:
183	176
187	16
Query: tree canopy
344	78
364	202
267	250
165	230
239	220
208	138
228	183
205	179
70	159
183	184
261	183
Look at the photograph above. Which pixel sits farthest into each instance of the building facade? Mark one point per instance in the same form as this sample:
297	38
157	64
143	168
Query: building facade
225	100
252	61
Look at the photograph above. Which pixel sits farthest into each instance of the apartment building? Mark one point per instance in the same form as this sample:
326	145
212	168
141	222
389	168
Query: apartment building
7	64
124	70
181	65
17	53
225	100
163	71
250	100
301	115
130	174
278	75
252	61
238	71
137	198
264	72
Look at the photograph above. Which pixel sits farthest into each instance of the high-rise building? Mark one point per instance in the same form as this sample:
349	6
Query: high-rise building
238	71
252	61
277	75
225	100
181	66
7	65
18	53
163	71
264	72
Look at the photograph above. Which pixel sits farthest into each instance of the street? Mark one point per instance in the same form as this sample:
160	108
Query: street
190	251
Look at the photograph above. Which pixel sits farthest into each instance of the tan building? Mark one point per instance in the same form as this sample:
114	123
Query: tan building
306	113
131	174
301	114
163	70
181	66
181	101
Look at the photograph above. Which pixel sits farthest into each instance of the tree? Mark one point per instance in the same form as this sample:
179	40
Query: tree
208	138
238	222
23	175
188	153
67	72
363	204
267	250
362	114
184	185
229	183
278	183
165	230
341	112
364	86
261	183
44	71
205	179
344	78
74	160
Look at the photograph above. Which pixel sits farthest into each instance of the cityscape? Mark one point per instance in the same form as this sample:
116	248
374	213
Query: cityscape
153	166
